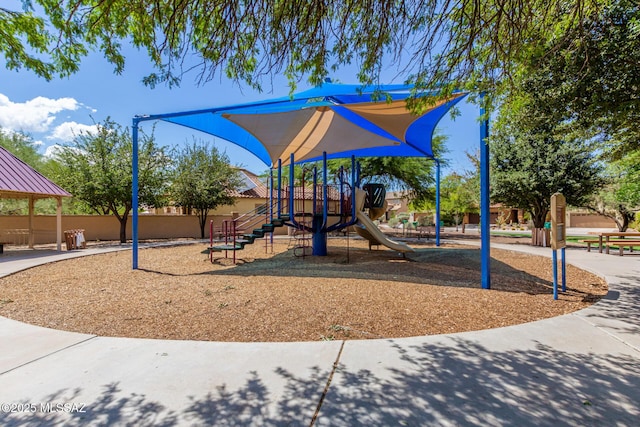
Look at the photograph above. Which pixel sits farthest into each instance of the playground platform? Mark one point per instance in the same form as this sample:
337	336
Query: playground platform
579	369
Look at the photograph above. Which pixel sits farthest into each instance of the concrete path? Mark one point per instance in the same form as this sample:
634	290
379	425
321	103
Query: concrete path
579	369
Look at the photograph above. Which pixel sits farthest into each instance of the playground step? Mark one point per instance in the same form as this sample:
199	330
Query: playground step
277	222
250	237
220	248
268	228
258	232
284	217
243	242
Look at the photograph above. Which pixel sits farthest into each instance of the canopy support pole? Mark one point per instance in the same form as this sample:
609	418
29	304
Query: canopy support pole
279	188
291	191
485	244
437	202
134	195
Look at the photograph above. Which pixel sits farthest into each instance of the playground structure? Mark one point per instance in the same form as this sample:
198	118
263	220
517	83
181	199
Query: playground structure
339	120
366	228
333	205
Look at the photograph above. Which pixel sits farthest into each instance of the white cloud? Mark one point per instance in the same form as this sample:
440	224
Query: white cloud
52	150
35	115
69	130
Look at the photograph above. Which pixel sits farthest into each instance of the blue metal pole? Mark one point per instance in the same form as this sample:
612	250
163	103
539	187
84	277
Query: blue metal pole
437	202
279	187
564	271
134	194
314	197
555	274
270	196
291	191
354	181
341	178
485	251
325	192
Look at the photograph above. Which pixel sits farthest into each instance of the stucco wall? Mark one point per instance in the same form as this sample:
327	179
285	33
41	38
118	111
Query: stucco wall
106	227
589	220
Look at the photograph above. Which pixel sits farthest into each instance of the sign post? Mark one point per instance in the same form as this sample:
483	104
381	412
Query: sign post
558	239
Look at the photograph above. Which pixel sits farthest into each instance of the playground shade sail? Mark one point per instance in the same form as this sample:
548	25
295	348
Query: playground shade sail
341	120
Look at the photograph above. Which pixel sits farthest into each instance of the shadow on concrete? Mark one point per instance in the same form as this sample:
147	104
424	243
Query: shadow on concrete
620	306
459	383
251	405
467	384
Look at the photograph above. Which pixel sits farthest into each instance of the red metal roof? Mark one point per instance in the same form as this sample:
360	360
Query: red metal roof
19	178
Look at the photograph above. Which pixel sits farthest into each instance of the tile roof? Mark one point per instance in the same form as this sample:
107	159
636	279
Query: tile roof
257	188
18	178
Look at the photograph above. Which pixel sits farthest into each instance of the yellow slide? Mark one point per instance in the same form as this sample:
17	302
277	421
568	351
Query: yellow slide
367	229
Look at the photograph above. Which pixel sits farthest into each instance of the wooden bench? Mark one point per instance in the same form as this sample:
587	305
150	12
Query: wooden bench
623	243
592	242
607	236
620	243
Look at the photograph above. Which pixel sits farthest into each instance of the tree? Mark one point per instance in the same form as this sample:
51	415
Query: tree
203	179
97	169
24	40
529	161
458	197
448	41
620	199
594	75
23	147
412	175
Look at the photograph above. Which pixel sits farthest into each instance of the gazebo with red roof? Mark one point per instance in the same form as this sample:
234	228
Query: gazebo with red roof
20	181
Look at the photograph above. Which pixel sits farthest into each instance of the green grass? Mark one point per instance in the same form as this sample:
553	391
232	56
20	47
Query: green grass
569	239
510	233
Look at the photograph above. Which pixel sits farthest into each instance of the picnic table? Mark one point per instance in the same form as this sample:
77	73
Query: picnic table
618	240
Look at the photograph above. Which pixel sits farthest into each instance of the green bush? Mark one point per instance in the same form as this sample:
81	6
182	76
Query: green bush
635	224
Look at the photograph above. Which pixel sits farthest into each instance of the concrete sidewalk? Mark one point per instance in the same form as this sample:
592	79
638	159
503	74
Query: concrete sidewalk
578	369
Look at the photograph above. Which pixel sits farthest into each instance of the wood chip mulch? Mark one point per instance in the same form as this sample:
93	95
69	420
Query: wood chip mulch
352	293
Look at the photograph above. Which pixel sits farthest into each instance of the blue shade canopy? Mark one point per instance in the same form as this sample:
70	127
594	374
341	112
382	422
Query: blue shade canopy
341	120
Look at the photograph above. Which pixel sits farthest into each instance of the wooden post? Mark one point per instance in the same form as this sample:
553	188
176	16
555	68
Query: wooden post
59	224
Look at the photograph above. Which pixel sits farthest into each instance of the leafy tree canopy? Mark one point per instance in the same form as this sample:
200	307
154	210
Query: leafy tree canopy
436	42
97	169
620	198
23	147
458	196
592	74
203	179
530	162
412	175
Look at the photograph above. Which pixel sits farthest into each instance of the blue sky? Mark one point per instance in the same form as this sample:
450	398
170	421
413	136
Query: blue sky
52	112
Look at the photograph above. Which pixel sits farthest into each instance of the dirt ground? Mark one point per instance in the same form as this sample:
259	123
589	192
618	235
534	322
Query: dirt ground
352	293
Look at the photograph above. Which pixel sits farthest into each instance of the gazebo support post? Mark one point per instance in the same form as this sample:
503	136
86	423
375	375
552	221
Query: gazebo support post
59	224
31	208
